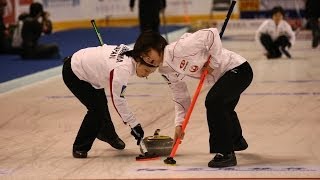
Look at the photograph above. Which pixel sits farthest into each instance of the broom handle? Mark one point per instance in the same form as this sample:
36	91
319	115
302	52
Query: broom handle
193	102
93	22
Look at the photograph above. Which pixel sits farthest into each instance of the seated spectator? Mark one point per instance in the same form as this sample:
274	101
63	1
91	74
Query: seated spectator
36	23
276	35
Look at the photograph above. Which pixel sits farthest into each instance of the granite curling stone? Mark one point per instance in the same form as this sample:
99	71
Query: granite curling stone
158	144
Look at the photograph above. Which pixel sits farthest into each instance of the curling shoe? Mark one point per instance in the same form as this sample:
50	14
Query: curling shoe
223	160
240	145
116	143
79	154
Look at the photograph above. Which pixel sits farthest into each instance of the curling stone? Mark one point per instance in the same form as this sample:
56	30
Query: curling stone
158	144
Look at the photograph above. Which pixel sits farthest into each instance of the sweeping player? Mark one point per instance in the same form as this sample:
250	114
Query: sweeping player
229	75
88	73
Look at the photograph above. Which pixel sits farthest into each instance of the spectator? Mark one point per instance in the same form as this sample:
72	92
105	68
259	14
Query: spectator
149	11
276	35
36	23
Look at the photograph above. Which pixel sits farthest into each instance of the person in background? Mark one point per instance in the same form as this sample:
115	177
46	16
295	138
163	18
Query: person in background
313	15
276	35
36	23
149	13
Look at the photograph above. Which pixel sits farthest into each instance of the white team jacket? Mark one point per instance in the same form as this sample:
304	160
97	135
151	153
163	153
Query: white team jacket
104	67
270	27
187	56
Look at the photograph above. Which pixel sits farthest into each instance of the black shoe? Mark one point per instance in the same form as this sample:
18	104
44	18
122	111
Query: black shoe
285	52
79	154
223	160
240	145
116	143
273	56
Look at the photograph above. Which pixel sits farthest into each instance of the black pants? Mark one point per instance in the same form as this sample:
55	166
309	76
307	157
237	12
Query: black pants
149	21
273	46
97	120
221	100
315	27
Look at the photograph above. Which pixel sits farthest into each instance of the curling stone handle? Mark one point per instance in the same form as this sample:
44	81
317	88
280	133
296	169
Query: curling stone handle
156	132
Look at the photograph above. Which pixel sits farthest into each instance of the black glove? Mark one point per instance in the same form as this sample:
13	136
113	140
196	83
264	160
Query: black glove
138	133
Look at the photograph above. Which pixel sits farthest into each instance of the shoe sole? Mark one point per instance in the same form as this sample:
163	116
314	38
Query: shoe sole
223	166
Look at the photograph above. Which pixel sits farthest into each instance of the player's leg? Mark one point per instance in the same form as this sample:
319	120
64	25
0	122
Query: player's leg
239	143
228	88
270	46
284	44
107	132
314	25
94	102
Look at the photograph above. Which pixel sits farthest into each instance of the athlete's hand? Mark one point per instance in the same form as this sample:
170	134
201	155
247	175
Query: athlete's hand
138	133
178	133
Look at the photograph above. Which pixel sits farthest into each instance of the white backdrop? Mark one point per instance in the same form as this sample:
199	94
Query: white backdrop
68	10
86	9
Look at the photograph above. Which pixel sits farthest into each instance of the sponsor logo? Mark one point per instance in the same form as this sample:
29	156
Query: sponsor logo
117	53
60	3
182	64
193	68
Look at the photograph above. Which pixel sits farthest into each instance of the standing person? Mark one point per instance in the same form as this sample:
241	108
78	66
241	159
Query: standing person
36	23
229	75
276	35
313	15
149	13
87	74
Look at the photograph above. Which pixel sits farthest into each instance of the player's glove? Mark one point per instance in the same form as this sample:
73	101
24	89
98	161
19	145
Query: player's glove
138	133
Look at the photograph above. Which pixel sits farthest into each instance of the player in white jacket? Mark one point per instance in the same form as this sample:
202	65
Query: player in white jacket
276	35
229	75
88	74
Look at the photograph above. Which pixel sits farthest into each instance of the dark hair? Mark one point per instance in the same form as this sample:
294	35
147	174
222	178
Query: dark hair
35	9
277	9
145	42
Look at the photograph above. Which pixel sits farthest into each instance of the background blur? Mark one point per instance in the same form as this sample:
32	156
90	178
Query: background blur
76	13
